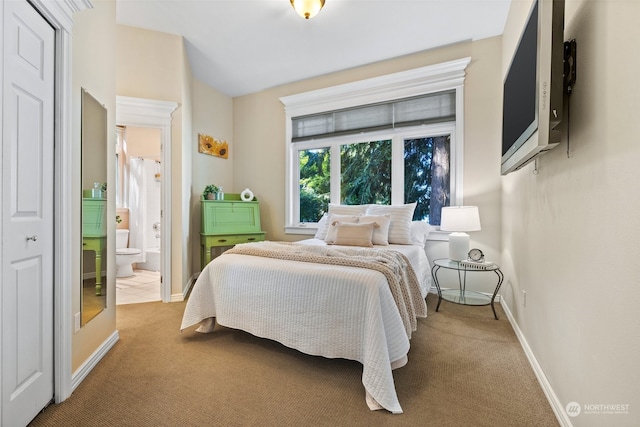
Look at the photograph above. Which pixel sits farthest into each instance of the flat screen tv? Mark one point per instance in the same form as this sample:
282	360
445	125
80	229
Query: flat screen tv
534	87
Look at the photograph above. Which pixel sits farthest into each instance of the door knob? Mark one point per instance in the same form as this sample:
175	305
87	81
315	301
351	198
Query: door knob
34	237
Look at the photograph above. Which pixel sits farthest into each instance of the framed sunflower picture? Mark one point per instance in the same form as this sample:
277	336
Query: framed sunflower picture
213	146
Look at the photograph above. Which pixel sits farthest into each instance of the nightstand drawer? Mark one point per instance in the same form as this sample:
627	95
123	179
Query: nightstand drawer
219	240
230	240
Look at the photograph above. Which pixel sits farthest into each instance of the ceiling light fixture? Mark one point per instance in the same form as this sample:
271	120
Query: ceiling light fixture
307	8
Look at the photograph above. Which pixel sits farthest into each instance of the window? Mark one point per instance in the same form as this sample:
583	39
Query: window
427	179
401	167
365	173
315	183
389	140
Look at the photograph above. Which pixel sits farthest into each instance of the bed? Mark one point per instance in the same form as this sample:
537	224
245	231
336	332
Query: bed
352	302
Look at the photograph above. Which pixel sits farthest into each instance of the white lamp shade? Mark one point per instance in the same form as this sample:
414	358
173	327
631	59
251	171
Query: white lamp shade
459	219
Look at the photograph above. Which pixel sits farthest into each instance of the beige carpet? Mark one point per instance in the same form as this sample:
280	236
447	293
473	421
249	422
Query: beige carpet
465	369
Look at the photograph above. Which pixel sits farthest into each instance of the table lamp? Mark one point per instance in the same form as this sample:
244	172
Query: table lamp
459	219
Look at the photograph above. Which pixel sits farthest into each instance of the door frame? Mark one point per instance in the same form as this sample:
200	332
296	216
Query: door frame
59	14
155	114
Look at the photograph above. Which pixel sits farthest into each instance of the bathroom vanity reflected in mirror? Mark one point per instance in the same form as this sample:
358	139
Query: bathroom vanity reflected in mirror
93	295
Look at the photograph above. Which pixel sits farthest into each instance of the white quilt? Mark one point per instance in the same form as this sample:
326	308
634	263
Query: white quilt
326	310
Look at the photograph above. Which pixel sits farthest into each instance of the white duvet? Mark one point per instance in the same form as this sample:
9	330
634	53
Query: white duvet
326	310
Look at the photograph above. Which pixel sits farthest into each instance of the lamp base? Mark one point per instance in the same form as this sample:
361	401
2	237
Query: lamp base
458	246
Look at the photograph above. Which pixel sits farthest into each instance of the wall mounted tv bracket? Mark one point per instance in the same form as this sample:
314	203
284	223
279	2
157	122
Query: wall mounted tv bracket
569	76
569	73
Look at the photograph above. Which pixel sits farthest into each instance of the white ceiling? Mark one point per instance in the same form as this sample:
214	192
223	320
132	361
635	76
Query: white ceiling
245	46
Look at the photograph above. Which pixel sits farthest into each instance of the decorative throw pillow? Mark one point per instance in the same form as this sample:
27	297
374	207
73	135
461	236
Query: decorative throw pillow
327	219
348	234
321	232
331	228
380	233
401	217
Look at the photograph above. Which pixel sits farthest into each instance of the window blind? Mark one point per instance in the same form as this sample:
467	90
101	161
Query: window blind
431	108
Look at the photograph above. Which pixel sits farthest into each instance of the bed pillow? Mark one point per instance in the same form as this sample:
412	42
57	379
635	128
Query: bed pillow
321	232
380	233
419	232
347	209
323	224
349	234
332	220
401	217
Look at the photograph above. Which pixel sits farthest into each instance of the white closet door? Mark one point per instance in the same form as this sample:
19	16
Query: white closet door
27	213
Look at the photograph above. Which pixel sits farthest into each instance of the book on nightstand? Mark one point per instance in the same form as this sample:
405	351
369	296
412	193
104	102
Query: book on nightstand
473	265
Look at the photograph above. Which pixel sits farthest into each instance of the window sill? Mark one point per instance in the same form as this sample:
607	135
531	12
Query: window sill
301	229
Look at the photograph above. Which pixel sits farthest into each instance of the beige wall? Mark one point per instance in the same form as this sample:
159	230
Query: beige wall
143	142
213	116
150	65
93	55
187	178
570	233
259	137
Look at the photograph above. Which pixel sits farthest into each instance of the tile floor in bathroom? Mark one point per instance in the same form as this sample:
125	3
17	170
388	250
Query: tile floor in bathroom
143	286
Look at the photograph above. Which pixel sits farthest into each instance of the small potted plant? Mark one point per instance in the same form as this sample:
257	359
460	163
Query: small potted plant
210	192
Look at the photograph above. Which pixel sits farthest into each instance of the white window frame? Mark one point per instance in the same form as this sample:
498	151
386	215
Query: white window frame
421	81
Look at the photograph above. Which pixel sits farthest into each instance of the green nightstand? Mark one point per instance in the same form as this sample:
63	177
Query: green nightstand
94	233
228	222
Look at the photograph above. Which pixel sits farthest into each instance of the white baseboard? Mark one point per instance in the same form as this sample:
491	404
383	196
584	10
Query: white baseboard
555	403
81	373
185	291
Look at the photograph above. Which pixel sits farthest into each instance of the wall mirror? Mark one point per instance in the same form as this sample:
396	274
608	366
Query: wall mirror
93	295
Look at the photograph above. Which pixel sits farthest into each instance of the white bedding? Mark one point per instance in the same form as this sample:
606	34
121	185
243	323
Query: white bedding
415	253
326	310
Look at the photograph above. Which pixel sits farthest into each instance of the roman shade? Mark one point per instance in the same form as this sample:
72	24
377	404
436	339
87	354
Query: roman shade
424	109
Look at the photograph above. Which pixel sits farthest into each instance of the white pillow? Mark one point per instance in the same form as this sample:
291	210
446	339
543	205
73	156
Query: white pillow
347	209
380	233
331	225
401	217
419	232
323	226
348	234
